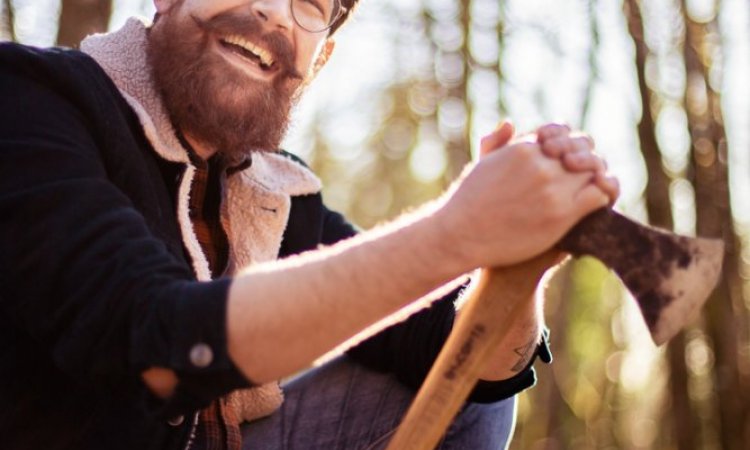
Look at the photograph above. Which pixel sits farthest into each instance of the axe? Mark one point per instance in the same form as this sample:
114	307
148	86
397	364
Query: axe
670	276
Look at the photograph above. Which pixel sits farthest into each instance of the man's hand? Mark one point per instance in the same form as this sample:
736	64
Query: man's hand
576	152
519	201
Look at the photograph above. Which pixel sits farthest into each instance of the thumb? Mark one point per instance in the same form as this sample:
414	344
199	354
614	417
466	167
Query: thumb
589	199
498	138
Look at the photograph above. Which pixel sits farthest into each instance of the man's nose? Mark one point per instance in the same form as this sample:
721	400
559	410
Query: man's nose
274	13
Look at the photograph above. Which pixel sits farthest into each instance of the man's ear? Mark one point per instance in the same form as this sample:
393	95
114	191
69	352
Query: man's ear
323	56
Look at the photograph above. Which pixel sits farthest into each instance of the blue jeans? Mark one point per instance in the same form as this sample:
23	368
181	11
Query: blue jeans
344	406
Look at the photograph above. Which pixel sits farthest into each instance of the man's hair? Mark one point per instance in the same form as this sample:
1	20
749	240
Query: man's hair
349	6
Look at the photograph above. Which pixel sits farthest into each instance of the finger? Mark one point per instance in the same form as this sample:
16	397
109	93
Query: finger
584	160
588	199
498	138
552	130
610	185
558	146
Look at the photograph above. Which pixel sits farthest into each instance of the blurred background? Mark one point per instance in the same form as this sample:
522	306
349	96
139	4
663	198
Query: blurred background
662	85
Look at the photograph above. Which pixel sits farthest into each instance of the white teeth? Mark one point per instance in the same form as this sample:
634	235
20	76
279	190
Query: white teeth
265	56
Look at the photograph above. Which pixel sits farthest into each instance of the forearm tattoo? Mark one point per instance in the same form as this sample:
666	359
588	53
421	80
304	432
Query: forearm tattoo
525	353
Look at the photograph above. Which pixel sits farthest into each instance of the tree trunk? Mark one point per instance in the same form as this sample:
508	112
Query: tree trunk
593	65
459	149
79	18
714	218
7	28
659	209
657	187
502	107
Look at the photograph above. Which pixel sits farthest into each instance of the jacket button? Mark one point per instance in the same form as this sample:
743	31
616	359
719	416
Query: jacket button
176	421
201	355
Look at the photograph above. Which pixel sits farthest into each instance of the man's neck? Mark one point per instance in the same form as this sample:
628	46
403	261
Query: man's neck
205	152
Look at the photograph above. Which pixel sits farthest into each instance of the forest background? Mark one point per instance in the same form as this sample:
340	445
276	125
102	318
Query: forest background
662	85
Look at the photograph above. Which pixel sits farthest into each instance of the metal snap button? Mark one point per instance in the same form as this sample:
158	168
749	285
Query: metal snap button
201	355
176	421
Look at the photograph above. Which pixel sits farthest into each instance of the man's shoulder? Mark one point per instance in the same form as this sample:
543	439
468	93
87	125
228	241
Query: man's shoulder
57	78
52	66
20	57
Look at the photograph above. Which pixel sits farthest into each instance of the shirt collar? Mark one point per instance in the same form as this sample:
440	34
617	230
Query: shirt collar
224	162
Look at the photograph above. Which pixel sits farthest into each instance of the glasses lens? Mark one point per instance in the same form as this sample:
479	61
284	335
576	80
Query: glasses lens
316	15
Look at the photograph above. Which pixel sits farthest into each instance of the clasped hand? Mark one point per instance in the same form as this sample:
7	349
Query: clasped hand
524	194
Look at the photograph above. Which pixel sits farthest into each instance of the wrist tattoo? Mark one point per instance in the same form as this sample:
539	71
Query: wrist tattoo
525	352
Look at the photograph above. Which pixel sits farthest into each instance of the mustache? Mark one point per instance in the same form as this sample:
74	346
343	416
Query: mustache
249	27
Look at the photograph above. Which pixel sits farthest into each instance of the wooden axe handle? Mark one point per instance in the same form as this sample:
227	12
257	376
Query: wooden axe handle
490	309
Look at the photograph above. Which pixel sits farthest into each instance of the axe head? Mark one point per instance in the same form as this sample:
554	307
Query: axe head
672	288
670	276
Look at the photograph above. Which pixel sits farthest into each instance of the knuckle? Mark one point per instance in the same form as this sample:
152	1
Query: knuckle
554	209
556	141
582	145
526	151
555	127
566	145
583	160
585	139
544	173
570	159
551	148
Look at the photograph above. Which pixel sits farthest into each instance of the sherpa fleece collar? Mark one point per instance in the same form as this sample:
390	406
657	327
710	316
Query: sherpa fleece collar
251	194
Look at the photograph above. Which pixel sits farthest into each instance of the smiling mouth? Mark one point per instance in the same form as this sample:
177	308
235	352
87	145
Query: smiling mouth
249	51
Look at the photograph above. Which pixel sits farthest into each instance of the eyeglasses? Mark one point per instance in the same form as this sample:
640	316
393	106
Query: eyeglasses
316	16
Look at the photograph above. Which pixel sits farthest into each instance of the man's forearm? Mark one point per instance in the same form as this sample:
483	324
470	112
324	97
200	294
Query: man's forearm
515	352
283	316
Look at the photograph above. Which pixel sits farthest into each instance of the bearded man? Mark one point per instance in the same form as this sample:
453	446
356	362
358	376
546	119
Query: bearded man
149	292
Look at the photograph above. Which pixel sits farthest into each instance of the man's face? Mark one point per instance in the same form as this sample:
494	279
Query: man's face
230	70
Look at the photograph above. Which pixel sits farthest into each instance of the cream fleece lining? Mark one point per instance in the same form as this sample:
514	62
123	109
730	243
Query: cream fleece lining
256	206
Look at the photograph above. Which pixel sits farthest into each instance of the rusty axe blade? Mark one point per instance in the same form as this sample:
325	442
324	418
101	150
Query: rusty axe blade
670	276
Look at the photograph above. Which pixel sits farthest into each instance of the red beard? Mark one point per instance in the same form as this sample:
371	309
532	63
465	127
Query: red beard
213	102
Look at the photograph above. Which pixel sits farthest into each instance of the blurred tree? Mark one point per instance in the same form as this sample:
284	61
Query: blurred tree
659	208
574	405
7	25
588	95
726	312
79	18
459	143
387	187
448	28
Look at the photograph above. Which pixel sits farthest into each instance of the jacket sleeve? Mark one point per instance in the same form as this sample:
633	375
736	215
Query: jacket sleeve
80	270
408	349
